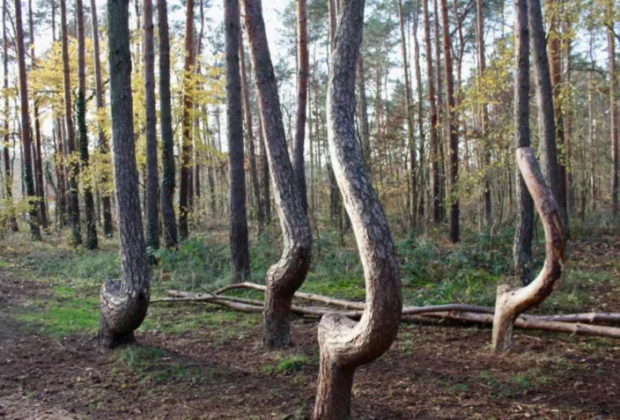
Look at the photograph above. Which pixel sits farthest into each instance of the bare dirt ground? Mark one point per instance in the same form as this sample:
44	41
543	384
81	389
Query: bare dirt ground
431	372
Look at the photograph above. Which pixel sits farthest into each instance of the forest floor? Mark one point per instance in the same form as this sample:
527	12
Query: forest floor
196	361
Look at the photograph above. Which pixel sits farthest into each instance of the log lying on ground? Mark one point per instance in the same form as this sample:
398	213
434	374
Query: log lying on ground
570	323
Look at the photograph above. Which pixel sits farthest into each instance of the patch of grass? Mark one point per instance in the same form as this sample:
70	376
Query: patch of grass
292	364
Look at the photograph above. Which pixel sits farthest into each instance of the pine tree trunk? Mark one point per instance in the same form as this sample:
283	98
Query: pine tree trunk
418	75
265	183
25	129
238	234
286	276
453	125
89	202
524	232
363	111
124	303
8	175
302	100
72	163
613	109
152	176
345	344
103	142
167	153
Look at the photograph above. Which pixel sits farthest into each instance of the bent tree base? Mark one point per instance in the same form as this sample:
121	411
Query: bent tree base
121	314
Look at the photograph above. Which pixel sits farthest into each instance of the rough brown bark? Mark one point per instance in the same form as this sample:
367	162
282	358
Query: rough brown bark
286	276
167	152
524	231
8	175
152	176
124	303
363	111
186	122
72	164
421	178
25	127
453	126
345	344
265	184
238	229
511	303
103	142
302	101
613	108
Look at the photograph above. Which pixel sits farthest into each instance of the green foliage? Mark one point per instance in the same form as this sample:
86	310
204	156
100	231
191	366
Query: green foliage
292	364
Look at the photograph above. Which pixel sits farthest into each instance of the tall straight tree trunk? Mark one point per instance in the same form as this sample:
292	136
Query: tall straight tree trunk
484	110
411	202
38	157
554	52
524	232
186	147
152	177
72	164
568	118
440	112
89	202
453	124
265	183
613	107
418	76
25	129
238	234
345	344
302	100
544	90
103	142
167	150
286	276
247	108
434	135
8	175
124	303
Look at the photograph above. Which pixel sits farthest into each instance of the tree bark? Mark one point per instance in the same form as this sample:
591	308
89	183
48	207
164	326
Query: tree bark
103	142
421	179
152	176
453	126
511	303
302	101
238	233
613	108
167	153
186	148
345	344
89	203
25	128
72	164
286	276
8	174
124	303
265	184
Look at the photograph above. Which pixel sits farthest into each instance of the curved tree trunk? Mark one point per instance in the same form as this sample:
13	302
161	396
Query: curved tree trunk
345	344
124	303
524	232
238	234
511	303
89	202
286	276
103	142
167	150
302	100
152	177
72	166
25	120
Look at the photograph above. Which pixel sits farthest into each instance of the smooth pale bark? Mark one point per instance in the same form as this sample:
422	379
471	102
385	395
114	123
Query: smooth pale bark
453	126
25	126
510	302
167	150
524	231
72	164
124	303
238	230
104	148
411	202
152	176
186	124
434	135
38	157
345	344
247	112
546	107
302	101
286	276
8	174
89	202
